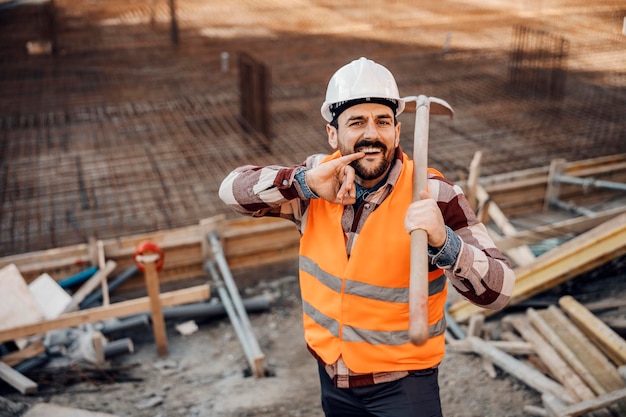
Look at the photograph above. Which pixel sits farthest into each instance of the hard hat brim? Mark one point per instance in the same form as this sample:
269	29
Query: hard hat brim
328	115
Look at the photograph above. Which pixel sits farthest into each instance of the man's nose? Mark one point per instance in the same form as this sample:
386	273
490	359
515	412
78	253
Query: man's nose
370	129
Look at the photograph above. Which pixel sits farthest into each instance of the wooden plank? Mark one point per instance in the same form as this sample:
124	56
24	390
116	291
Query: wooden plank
472	180
121	309
520	370
17	380
102	265
572	258
124	247
54	410
554	339
158	321
18	306
553	188
598	403
556	364
588	354
559	229
475	326
89	286
51	259
611	343
512	347
15	358
51	298
521	255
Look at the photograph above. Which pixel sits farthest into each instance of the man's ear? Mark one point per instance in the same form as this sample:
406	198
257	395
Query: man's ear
332	136
397	134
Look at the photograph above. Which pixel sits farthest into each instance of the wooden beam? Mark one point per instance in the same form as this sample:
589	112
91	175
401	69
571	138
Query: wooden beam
555	362
89	286
572	258
156	310
35	262
611	343
520	370
576	225
521	255
13	359
121	309
597	403
586	352
560	345
553	188
472	180
475	327
511	347
17	380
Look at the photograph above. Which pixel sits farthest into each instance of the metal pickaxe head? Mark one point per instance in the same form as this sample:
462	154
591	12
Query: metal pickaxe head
433	104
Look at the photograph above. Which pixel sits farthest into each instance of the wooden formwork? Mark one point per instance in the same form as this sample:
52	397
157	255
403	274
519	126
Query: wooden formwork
523	192
248	244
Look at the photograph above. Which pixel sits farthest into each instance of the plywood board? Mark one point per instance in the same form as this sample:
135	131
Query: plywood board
51	298
17	305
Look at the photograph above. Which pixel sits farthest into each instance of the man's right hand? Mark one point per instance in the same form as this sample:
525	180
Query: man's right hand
334	180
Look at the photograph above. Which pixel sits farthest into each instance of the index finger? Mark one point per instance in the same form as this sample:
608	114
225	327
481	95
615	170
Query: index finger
346	159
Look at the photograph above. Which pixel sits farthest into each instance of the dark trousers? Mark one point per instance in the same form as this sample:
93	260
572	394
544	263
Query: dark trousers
416	395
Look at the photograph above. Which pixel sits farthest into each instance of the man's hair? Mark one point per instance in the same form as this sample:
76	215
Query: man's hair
337	108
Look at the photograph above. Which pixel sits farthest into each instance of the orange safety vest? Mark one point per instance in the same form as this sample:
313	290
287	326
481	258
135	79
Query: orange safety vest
358	308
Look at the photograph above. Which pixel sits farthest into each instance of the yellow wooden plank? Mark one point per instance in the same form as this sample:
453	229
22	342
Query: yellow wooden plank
572	258
611	343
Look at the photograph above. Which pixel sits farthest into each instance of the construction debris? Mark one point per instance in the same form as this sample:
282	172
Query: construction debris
576	371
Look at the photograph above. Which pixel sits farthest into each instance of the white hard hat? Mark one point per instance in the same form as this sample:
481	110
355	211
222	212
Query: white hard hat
361	80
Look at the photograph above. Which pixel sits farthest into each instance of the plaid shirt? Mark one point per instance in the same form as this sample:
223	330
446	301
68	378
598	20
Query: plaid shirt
481	273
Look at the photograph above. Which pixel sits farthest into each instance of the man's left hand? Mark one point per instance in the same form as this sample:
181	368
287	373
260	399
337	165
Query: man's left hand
424	214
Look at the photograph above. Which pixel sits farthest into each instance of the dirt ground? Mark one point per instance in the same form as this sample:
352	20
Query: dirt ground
205	374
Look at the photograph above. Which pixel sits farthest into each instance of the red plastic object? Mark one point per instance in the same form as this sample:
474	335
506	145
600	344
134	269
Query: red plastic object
146	248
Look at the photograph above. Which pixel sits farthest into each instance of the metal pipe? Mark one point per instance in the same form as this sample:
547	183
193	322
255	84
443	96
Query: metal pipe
235	320
200	311
233	290
590	182
78	278
128	323
452	325
118	346
571	207
32	363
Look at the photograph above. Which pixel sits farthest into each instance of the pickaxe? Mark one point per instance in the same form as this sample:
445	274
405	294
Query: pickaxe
418	284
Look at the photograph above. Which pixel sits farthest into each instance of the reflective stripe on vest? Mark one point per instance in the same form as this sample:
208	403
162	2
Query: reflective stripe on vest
358	308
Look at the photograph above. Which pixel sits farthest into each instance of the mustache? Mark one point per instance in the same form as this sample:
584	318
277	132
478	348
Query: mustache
370	143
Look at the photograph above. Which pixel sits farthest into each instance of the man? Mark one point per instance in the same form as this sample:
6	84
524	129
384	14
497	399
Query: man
354	211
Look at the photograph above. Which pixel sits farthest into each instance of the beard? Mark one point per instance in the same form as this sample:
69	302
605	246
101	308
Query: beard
367	170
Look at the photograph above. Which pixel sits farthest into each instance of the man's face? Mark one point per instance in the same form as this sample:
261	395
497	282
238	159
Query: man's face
368	128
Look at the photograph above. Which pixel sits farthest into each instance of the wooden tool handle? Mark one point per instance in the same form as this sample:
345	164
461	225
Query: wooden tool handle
418	289
418	284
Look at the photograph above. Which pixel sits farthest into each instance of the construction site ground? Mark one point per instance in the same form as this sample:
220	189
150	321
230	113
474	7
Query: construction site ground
122	131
